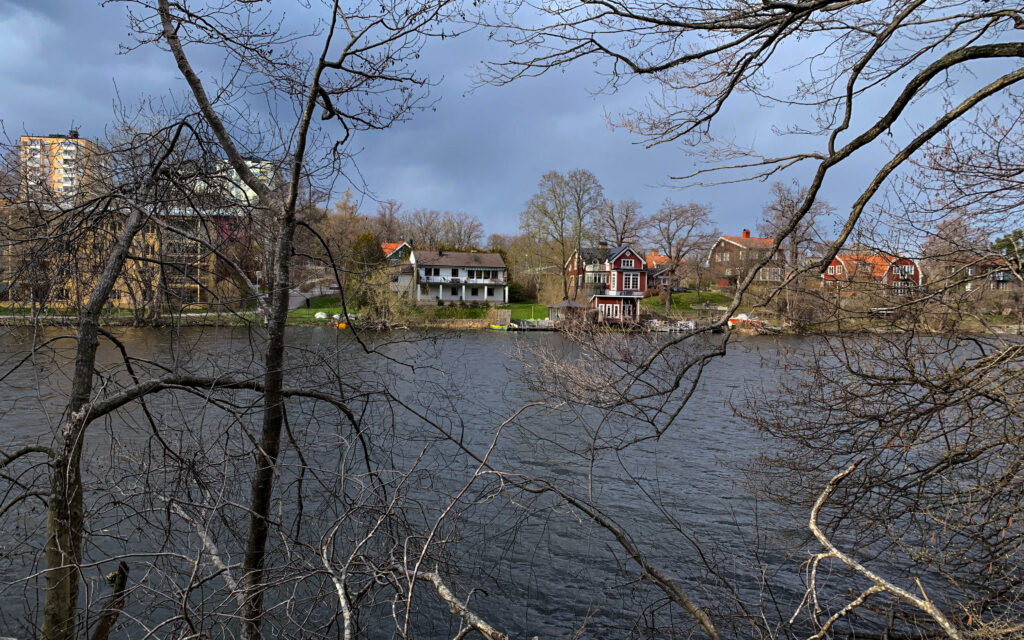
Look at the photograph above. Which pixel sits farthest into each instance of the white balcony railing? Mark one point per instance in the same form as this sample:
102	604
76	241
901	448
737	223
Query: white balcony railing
621	294
458	280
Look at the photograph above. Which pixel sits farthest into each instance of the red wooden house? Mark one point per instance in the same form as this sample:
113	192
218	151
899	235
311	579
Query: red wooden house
898	275
613	278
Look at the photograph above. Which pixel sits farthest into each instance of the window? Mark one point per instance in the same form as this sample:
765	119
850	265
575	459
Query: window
490	292
839	269
627	263
455	273
742	255
718	257
455	291
631	281
474	292
728	272
831	270
725	257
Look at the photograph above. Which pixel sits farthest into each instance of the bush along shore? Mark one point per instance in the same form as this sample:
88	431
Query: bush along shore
702	308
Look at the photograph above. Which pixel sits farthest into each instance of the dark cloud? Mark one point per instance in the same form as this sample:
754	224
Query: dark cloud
479	151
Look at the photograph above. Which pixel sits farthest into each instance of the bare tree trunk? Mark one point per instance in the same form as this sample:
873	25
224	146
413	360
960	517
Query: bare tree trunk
270	441
64	518
118	583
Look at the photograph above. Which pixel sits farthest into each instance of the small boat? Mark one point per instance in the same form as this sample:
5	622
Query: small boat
499	327
743	320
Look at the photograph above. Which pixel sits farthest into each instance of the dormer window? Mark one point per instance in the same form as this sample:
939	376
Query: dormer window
627	263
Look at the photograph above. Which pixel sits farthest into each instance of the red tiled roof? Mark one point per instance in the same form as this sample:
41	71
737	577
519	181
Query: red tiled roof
655	259
390	247
872	265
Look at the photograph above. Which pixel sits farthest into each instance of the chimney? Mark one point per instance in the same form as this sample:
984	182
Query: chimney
746	233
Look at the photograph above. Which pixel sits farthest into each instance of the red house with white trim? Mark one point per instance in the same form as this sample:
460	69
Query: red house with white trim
899	275
613	278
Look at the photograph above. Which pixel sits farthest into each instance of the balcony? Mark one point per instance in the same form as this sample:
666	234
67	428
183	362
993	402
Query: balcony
620	294
455	280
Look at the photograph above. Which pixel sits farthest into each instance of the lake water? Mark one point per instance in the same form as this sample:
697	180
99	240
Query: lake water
536	567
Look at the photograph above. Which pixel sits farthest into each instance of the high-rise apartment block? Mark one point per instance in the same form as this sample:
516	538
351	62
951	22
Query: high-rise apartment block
59	166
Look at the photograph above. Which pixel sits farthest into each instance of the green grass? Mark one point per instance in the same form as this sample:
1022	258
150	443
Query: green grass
684	301
458	313
329	304
526	310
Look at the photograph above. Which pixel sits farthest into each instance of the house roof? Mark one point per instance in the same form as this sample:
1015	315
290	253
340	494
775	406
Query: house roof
459	259
655	259
866	264
390	247
750	242
597	255
591	255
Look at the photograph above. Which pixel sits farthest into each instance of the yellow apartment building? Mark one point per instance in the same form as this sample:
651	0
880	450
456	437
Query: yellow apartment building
59	167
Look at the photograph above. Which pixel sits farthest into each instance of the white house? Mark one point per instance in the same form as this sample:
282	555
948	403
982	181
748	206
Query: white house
454	276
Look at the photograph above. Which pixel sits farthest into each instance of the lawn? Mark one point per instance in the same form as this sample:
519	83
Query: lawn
329	304
527	310
684	301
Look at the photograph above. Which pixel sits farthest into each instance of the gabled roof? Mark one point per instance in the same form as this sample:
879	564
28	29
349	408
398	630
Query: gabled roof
590	255
390	247
874	265
597	255
459	259
749	242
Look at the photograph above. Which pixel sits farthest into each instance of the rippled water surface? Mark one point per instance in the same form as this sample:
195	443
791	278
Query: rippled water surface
540	568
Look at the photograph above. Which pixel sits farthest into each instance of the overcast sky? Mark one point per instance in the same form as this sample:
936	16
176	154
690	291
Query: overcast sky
480	151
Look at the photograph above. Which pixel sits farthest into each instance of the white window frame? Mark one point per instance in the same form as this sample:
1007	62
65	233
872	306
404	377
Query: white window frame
629	279
831	270
627	263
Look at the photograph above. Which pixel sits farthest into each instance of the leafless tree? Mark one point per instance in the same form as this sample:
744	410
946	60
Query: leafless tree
857	94
800	246
362	51
679	231
461	231
388	224
559	216
424	228
621	222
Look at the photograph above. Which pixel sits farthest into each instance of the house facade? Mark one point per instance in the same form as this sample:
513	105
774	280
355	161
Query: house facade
732	257
614	280
893	274
451	277
401	271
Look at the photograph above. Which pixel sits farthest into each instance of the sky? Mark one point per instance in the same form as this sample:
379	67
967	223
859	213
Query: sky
480	150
